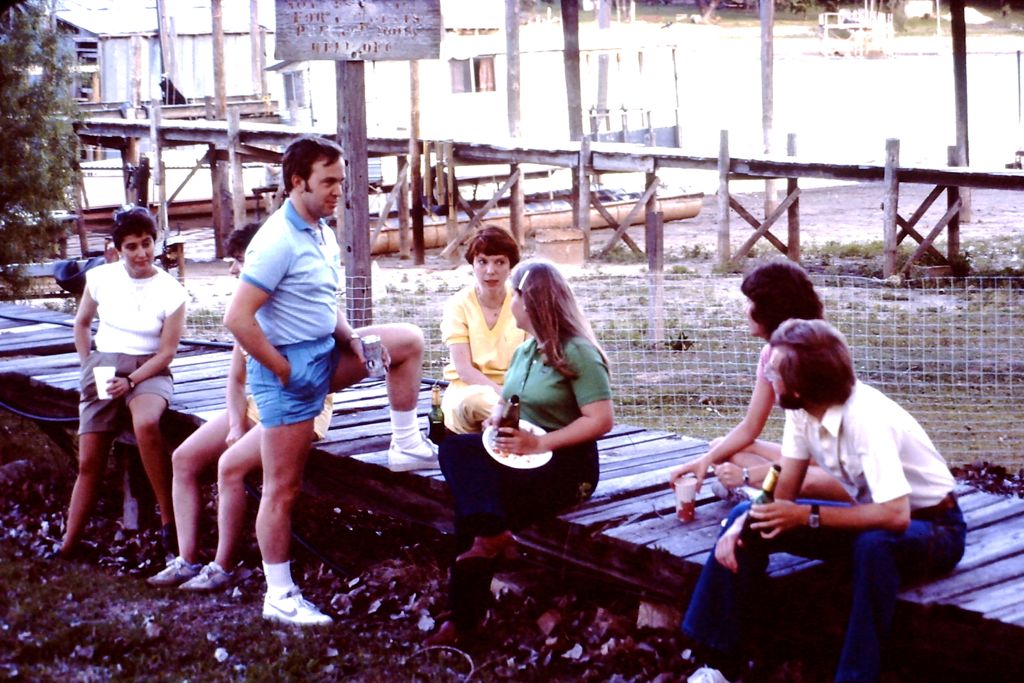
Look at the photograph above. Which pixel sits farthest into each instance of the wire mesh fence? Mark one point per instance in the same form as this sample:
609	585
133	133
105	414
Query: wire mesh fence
683	359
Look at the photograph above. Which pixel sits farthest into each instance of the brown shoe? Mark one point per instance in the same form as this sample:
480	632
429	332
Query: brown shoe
501	545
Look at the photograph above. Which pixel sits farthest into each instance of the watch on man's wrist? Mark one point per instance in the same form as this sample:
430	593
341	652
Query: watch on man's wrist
746	477
814	519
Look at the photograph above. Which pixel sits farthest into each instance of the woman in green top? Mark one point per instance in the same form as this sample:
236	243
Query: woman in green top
562	380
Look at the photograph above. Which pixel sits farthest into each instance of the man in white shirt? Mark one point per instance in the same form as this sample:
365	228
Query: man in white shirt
905	523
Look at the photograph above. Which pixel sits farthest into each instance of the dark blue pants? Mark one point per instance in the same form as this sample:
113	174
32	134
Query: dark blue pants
880	562
491	498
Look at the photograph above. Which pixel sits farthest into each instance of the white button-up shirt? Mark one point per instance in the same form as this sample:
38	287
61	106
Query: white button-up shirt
875	448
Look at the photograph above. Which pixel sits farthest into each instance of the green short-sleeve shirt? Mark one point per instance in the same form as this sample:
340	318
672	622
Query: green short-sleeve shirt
547	398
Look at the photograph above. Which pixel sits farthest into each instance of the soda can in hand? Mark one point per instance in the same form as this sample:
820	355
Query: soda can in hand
373	352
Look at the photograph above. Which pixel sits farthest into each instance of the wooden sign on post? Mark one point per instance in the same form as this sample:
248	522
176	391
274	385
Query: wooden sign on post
358	30
348	32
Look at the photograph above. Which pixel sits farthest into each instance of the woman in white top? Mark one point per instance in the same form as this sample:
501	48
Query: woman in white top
142	315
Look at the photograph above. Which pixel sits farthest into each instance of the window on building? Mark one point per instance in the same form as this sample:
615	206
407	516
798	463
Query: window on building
295	89
473	75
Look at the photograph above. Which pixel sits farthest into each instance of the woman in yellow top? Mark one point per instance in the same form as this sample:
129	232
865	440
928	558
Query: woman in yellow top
480	332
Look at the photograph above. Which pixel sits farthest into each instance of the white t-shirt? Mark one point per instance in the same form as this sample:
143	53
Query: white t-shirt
875	448
131	312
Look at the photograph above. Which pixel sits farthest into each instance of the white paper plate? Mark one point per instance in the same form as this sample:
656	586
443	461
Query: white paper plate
519	462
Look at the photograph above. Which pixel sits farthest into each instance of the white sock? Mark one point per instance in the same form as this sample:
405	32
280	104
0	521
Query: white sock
279	578
405	427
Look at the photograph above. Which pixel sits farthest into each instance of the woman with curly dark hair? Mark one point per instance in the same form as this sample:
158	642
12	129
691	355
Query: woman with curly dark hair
776	292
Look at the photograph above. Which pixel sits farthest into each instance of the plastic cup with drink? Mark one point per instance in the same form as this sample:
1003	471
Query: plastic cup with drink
101	375
686	497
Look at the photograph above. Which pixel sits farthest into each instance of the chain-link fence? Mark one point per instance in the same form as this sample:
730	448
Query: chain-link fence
949	351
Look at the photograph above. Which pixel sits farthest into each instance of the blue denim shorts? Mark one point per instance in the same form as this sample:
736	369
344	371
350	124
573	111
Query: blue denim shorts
303	397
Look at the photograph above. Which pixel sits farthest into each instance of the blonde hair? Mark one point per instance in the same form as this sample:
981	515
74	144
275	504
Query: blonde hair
553	312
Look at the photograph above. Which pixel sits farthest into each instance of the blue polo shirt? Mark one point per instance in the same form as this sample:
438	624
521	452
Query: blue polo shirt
299	266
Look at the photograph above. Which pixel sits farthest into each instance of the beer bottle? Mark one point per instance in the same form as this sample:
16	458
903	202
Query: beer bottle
510	413
435	419
750	536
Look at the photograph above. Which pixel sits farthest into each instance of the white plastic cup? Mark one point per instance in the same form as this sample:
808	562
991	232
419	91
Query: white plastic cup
686	496
101	375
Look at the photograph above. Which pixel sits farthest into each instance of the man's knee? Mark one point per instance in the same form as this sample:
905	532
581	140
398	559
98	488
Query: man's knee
406	340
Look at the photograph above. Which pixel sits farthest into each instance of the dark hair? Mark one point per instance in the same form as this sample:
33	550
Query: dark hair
493	241
815	362
553	311
132	220
300	156
238	241
780	290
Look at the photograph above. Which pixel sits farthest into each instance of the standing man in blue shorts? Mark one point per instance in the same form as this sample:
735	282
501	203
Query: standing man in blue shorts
285	315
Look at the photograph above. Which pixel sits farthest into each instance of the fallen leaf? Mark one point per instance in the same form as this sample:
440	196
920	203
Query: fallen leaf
573	653
548	621
426	622
220	654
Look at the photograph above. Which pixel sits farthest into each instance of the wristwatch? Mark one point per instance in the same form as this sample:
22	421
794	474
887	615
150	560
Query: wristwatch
746	477
131	384
814	520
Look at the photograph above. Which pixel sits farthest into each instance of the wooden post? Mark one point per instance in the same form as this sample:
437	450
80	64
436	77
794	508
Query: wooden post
655	259
516	206
415	174
403	212
675	81
428	176
890	205
136	72
571	57
219	85
217	183
130	157
581	195
235	163
958	29
452	224
512	66
654	240
767	14
218	172
793	212
255	46
159	177
723	199
351	86
952	195
603	24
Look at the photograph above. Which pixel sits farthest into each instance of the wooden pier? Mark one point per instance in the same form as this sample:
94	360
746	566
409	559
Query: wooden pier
971	621
239	140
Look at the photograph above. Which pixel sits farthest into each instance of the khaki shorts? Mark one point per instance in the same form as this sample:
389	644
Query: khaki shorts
109	415
321	423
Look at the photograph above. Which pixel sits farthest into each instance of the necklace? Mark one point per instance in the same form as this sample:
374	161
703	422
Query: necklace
491	312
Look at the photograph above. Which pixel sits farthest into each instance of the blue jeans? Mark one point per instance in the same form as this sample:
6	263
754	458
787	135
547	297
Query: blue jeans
491	498
880	562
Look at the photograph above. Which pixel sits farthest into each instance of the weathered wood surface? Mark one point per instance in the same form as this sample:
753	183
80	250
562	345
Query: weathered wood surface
627	533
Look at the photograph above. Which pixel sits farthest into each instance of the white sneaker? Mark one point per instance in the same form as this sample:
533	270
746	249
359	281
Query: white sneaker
212	577
292	608
423	456
706	674
176	572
